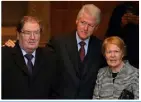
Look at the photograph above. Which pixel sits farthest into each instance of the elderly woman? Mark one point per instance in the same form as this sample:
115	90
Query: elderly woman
118	75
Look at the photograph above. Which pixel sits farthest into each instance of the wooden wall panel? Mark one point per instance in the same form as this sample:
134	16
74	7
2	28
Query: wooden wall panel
13	11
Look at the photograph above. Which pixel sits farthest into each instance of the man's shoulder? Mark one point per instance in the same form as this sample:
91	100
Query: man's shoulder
7	53
95	38
95	41
63	36
7	50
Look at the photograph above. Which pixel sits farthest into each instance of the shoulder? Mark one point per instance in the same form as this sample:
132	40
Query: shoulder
59	40
95	41
102	71
95	38
7	50
62	37
8	54
131	70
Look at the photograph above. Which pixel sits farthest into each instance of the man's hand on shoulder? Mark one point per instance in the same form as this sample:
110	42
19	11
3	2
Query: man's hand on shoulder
10	43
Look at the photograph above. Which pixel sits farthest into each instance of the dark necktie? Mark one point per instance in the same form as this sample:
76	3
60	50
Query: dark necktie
82	51
29	62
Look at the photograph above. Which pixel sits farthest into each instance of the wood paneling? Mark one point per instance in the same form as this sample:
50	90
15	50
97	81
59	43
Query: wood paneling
13	11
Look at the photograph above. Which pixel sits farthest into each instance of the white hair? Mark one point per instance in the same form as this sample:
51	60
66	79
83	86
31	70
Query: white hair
92	10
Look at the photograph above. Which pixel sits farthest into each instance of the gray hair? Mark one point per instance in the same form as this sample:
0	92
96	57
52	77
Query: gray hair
92	10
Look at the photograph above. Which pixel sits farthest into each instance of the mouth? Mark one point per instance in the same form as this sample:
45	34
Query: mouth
85	32
113	61
32	43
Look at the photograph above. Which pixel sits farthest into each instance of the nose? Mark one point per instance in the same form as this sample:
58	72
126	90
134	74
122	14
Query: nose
86	27
112	54
32	36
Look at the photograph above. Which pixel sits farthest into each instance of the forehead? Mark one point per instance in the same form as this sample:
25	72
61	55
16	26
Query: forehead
88	18
112	47
31	26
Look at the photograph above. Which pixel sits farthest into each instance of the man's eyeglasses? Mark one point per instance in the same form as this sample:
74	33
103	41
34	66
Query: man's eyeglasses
29	33
85	23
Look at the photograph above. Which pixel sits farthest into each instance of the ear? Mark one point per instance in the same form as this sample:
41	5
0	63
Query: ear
96	27
122	56
18	35
76	21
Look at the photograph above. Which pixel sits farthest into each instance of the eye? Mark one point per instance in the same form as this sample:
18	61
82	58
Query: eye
36	32
27	32
83	22
117	51
108	52
91	25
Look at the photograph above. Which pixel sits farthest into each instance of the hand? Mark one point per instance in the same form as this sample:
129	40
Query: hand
124	20
129	18
133	19
10	43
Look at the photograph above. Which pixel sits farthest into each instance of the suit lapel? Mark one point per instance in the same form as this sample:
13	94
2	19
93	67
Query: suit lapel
72	50
91	56
38	61
19	59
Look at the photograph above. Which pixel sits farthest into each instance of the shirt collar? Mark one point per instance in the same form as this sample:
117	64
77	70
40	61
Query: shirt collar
79	40
24	52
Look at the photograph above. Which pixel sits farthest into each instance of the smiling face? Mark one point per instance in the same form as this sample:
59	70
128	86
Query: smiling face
29	36
86	25
113	55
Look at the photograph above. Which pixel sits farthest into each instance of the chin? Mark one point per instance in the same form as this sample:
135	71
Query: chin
33	44
83	37
112	65
115	65
32	47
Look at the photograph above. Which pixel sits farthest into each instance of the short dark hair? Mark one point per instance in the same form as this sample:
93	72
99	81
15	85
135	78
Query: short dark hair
28	19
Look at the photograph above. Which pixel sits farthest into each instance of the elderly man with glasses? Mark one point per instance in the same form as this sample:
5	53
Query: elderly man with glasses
28	72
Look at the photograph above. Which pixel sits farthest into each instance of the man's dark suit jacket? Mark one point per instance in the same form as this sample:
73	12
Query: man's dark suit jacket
18	84
73	84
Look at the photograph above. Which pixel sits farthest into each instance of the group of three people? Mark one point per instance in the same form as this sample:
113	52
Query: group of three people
58	71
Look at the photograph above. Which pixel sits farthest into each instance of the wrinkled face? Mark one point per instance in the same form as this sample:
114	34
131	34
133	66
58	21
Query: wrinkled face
86	25
29	37
113	55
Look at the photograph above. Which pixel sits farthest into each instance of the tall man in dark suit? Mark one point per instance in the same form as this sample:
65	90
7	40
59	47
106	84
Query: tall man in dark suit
24	78
80	55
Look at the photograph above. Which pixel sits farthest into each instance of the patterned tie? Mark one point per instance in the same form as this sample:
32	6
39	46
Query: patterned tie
82	51
29	62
